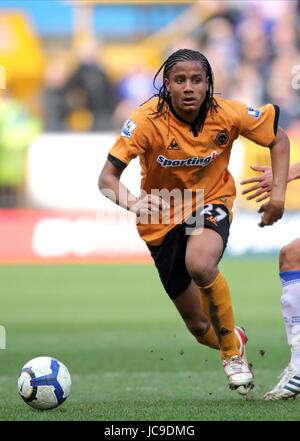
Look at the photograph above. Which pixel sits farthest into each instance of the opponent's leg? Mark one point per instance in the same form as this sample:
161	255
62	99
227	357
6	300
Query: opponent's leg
289	265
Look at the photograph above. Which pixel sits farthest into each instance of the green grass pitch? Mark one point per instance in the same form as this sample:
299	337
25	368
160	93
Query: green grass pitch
127	349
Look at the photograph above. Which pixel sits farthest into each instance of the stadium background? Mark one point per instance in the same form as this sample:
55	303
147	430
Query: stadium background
70	73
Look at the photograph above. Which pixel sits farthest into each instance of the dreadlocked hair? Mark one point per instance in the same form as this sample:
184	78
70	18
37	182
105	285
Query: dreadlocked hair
164	96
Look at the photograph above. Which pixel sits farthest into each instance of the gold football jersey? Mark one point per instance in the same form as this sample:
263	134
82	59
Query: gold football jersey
172	157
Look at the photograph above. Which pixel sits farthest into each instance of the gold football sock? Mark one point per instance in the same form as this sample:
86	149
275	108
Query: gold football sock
216	302
212	336
209	339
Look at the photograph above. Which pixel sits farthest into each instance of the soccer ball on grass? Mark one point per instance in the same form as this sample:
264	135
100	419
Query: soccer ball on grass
44	383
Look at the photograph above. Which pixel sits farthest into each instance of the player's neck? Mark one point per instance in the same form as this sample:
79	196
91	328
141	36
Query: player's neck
187	117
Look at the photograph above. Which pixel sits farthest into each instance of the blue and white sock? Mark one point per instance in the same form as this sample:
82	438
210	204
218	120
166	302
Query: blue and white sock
290	305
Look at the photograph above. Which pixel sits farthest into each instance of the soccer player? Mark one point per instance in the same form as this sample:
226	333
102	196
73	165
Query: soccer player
289	267
183	137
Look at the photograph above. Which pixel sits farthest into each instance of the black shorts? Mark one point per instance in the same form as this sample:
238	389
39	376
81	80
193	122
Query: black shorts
169	257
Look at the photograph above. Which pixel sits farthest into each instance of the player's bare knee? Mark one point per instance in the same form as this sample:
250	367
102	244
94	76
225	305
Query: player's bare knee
289	258
202	272
197	327
283	258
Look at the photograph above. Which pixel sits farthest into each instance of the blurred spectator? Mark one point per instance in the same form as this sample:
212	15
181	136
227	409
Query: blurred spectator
188	43
89	92
133	90
247	85
254	44
137	85
279	88
54	101
17	130
219	37
285	34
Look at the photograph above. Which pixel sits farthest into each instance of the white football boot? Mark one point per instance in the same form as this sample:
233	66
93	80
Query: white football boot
287	387
237	368
241	335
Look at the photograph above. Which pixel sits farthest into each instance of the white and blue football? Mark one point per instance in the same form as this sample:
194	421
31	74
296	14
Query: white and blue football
44	383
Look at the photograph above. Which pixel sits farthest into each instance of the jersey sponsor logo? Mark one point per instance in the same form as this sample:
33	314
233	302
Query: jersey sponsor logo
193	161
173	145
128	128
253	112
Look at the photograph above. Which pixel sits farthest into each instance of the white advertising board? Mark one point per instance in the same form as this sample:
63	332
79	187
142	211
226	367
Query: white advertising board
63	173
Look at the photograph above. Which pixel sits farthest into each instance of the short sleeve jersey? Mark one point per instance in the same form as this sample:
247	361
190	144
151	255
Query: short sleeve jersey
173	157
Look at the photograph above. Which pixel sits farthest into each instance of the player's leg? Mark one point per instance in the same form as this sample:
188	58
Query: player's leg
189	307
289	258
202	256
203	253
195	317
169	258
239	331
289	265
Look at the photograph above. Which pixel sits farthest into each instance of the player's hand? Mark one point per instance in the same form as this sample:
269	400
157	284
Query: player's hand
272	212
262	183
149	205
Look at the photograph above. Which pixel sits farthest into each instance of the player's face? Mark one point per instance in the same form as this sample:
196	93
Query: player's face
187	83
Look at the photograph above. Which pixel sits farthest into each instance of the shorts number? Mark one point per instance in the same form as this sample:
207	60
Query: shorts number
222	214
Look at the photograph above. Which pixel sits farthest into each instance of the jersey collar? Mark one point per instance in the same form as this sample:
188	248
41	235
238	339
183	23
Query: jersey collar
191	124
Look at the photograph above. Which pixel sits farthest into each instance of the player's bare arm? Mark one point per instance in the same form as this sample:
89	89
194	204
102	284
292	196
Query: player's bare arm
280	162
294	172
263	182
111	187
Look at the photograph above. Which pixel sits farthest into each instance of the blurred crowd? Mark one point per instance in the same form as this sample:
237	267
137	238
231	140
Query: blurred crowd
253	47
253	52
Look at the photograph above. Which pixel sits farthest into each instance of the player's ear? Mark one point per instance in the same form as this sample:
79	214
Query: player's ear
207	83
167	84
